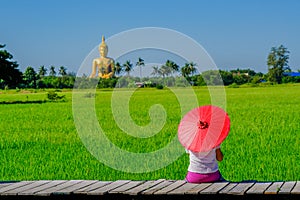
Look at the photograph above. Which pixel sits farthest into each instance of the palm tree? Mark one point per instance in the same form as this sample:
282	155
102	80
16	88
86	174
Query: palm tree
188	69
118	68
52	71
185	71
127	67
165	70
172	65
155	71
42	71
175	67
140	63
62	71
192	67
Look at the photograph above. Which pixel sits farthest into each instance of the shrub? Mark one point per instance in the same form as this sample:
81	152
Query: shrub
234	85
53	96
159	86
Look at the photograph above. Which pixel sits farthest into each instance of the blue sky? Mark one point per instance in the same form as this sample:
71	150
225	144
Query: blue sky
236	34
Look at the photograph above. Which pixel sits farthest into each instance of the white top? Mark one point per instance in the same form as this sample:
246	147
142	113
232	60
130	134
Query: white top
203	162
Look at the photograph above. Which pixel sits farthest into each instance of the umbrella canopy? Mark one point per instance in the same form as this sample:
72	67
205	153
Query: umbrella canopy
203	128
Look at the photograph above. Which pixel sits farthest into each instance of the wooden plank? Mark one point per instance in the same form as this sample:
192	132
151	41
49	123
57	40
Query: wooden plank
183	189
127	186
145	186
5	184
14	186
71	189
240	188
51	184
274	188
156	187
169	188
296	189
259	188
214	188
287	187
94	186
49	191
25	187
198	188
161	185
227	188
105	189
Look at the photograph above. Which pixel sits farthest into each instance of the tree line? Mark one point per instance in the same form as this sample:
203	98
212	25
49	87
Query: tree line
12	77
55	79
168	74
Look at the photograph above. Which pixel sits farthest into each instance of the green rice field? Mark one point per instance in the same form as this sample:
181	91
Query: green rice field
39	140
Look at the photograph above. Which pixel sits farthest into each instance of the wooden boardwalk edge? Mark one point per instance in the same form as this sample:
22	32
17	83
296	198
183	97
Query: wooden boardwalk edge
127	189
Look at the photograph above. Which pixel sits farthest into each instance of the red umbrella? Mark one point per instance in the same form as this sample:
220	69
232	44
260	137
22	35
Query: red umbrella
203	128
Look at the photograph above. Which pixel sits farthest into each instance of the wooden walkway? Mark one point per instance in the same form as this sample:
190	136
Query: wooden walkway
154	189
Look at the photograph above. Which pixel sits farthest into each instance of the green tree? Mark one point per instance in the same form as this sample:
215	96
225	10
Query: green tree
189	69
165	70
127	67
52	71
155	71
185	71
199	80
62	71
241	79
212	77
118	68
192	68
10	76
227	77
42	71
41	76
140	63
172	66
30	77
277	63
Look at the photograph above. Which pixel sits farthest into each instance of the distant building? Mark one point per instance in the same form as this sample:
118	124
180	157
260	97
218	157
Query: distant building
291	74
139	84
239	74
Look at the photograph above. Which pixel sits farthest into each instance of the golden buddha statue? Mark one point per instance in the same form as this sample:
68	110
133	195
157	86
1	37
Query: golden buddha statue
105	64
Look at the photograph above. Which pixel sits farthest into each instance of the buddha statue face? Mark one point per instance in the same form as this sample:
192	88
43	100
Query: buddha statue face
103	51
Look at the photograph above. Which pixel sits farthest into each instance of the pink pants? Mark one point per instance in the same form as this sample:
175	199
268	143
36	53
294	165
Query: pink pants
193	177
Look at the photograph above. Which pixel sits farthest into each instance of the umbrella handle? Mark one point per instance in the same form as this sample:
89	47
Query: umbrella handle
202	124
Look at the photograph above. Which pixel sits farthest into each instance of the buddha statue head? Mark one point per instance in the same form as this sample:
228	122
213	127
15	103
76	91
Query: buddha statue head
103	49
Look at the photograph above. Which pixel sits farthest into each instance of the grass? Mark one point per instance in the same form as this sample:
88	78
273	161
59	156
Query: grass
40	141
